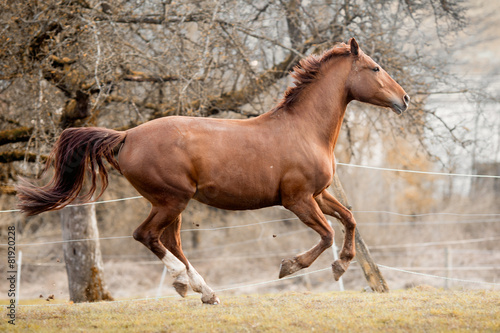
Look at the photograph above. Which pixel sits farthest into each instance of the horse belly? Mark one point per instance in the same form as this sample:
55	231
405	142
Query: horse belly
238	193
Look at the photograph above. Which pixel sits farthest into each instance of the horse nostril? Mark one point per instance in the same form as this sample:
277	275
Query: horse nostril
406	98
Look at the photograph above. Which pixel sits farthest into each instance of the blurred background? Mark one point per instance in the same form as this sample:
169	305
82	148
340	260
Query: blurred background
117	64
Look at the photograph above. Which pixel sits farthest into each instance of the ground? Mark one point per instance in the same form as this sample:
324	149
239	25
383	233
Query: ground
418	309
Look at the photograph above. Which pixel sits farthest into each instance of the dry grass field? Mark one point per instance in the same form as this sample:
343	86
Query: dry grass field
423	309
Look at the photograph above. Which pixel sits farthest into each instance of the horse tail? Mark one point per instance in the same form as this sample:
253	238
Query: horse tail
76	152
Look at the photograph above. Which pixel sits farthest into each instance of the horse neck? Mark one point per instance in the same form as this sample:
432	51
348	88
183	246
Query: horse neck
322	105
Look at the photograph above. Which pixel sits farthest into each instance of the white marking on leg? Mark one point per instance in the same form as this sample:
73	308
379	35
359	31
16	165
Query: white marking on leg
199	285
178	271
175	267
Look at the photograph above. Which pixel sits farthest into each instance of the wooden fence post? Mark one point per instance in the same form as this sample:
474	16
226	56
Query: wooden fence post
449	266
370	269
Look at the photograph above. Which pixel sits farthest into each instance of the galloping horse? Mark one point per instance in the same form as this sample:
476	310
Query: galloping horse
283	157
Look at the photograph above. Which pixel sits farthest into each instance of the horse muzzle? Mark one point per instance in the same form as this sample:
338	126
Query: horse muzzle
401	106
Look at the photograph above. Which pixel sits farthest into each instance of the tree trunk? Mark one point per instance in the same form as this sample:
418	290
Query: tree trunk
83	258
370	269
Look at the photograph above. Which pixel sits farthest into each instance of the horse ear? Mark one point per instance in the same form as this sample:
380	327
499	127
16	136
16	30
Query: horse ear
354	47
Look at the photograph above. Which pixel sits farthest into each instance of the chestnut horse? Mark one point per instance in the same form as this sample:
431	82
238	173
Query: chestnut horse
283	157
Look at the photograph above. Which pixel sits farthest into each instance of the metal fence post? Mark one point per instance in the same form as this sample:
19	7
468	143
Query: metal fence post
160	287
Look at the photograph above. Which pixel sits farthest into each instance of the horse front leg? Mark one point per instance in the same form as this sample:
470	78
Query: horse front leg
329	205
308	211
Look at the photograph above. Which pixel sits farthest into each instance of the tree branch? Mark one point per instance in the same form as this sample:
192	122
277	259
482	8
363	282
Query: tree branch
151	19
8	189
143	77
20	134
17	155
235	99
215	104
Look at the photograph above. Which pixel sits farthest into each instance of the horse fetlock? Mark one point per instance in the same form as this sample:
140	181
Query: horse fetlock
347	255
351	224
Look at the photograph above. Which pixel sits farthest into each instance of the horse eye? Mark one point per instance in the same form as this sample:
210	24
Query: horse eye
376	69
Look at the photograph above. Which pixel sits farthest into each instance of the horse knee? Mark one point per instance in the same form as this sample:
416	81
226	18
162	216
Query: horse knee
350	222
327	239
348	253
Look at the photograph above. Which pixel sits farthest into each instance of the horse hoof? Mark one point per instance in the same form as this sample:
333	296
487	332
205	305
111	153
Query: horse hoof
339	268
211	300
181	288
289	266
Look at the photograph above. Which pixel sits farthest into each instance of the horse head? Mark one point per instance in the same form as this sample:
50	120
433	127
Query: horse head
370	83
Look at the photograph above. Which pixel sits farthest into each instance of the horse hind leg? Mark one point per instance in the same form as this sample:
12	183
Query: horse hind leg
172	240
149	233
177	270
181	279
200	286
160	232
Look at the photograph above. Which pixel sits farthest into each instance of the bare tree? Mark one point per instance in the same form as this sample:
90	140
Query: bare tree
118	64
83	258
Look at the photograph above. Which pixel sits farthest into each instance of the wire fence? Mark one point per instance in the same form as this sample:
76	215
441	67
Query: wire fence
420	172
261	283
395	224
338	163
416	271
477	219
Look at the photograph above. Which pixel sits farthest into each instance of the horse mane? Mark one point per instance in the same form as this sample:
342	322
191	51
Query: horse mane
307	71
